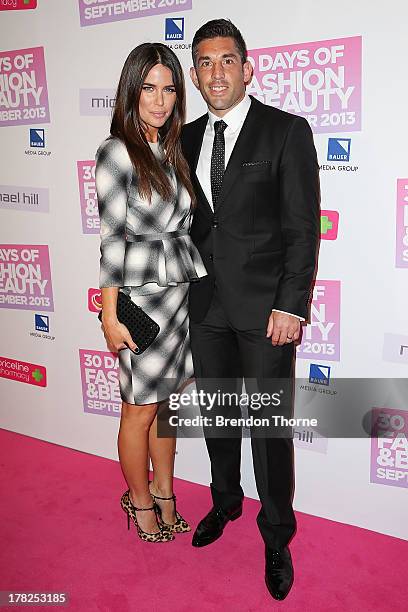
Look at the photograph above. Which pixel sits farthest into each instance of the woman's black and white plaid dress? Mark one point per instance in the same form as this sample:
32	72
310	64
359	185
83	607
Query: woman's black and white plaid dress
147	252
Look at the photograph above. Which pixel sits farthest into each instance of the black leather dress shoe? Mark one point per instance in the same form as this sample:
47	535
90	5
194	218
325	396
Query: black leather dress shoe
278	572
212	525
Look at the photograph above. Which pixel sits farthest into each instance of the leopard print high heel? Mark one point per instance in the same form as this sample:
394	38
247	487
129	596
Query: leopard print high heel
180	526
164	535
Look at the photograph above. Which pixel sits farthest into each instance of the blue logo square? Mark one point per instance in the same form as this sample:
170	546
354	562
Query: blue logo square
319	374
37	138
174	28
339	149
42	323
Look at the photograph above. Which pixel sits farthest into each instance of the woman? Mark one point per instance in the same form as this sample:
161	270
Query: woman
145	202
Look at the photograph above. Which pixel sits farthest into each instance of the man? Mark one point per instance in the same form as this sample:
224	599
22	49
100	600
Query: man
256	225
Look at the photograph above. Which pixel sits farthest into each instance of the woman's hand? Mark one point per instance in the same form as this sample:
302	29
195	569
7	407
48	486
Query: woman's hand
117	336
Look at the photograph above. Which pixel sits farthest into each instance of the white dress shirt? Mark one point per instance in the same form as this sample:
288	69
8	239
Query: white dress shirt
234	120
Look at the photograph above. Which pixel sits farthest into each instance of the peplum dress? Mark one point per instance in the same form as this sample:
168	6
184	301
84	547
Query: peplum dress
147	252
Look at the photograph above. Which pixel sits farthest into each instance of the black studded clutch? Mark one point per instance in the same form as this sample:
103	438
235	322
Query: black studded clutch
141	327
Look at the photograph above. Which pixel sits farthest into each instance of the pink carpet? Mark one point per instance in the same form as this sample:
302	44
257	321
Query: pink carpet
62	529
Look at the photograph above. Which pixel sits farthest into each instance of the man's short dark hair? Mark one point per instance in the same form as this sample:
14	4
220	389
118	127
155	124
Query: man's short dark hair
220	27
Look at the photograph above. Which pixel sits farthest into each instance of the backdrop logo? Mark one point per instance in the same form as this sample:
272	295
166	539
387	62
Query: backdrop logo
23	371
96	102
25	277
42	323
42	328
319	374
401	257
87	194
338	149
389	447
174	29
31	199
92	12
395	348
23	87
94	300
329	224
17	5
100	382
309	439
318	80
322	335
37	138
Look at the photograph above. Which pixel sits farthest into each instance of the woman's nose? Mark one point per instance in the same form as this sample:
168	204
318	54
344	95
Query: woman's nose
159	98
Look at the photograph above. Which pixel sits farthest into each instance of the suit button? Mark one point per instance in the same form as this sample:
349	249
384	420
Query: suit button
211	257
215	222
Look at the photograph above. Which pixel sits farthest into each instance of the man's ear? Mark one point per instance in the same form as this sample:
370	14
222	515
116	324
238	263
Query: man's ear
248	72
193	75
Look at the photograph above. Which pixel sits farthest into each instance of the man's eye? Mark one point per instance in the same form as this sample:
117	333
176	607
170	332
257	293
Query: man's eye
228	60
205	64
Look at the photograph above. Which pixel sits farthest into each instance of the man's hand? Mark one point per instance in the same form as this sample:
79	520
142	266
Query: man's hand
284	328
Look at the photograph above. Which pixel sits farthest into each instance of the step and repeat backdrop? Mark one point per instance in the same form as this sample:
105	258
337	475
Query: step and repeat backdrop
343	68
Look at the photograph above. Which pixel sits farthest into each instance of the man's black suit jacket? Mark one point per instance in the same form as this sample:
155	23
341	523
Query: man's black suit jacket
260	244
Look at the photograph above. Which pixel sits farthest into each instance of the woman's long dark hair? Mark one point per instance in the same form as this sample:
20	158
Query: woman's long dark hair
127	125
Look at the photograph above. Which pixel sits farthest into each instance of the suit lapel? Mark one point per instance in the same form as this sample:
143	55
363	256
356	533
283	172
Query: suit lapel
195	150
244	143
197	141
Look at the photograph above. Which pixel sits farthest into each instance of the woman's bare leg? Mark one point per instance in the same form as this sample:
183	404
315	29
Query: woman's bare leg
133	447
162	452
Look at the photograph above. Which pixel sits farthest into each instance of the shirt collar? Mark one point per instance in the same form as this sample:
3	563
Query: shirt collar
235	117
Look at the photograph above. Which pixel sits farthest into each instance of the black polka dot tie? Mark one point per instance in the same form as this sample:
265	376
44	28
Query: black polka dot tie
217	160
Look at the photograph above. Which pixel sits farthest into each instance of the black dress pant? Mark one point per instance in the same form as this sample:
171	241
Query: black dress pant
223	353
